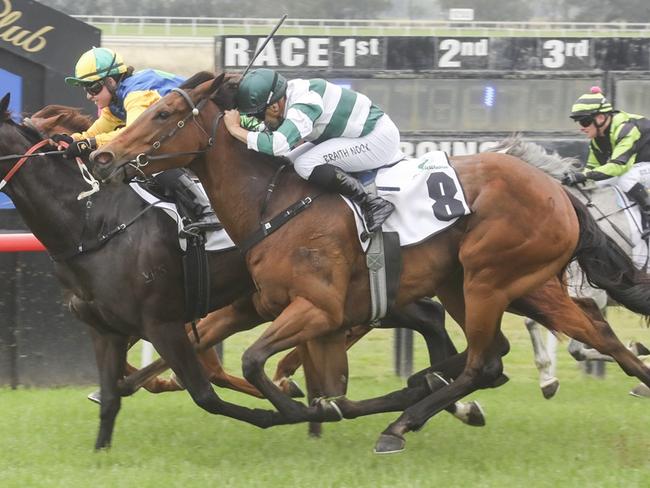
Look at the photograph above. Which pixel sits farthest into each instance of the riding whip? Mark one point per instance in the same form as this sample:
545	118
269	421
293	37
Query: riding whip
266	41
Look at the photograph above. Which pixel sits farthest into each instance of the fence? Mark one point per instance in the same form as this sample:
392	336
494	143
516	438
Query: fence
211	26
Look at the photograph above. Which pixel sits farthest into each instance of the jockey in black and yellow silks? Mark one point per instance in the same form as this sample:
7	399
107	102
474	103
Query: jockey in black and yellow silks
121	95
619	151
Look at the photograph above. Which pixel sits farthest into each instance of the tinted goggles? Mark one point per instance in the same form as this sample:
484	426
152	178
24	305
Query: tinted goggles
585	121
94	88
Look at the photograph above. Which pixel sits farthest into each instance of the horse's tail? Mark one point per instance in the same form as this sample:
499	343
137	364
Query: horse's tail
607	266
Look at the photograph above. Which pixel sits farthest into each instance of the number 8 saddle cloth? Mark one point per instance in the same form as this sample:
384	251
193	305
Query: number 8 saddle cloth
427	196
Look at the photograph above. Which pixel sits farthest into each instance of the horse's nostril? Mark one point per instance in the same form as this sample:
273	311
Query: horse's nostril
103	157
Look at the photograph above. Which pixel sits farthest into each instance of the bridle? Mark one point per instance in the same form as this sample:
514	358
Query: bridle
144	158
34	151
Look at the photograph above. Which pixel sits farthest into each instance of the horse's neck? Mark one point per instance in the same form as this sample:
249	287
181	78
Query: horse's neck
45	192
237	181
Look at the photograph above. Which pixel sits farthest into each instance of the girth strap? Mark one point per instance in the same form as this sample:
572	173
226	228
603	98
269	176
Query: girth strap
269	227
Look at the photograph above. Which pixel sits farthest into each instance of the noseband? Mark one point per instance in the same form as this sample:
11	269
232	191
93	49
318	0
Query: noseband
143	159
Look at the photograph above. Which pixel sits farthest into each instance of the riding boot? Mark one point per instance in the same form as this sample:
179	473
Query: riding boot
187	194
639	194
332	178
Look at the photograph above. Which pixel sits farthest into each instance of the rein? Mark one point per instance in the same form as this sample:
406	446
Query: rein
619	231
143	159
31	153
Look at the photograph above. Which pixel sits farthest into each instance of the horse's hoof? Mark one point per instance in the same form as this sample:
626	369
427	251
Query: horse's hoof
389	444
95	397
550	388
640	391
292	389
475	416
175	379
435	381
329	410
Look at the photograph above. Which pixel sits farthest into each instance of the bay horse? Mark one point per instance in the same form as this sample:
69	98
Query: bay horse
616	216
124	289
311	275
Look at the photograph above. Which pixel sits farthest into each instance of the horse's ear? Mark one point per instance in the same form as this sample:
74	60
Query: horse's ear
4	104
216	83
225	90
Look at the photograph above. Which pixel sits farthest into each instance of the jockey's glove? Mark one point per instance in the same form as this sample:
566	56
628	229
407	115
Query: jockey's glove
574	178
80	149
59	138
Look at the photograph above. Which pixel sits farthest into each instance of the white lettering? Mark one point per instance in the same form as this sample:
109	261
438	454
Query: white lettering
236	52
268	56
317	53
288	49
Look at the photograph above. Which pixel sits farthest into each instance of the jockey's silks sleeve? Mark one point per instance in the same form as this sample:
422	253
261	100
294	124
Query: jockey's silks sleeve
624	151
297	125
108	126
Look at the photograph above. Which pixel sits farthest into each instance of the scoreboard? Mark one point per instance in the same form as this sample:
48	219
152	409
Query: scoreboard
460	93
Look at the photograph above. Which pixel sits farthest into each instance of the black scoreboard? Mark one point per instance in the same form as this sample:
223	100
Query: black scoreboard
457	93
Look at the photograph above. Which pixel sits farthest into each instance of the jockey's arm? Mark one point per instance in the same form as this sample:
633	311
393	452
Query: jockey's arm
107	122
134	104
622	158
297	125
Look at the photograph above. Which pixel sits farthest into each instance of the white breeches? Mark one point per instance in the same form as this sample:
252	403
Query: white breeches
378	148
638	173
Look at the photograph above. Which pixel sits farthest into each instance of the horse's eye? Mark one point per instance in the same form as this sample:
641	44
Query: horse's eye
163	115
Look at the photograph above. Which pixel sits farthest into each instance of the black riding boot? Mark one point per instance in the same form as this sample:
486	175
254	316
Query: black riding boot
332	178
188	194
639	194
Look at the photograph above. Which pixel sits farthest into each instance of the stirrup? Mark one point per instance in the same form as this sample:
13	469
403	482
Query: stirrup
195	228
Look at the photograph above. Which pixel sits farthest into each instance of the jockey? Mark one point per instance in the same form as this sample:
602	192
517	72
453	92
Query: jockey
619	151
121	96
326	131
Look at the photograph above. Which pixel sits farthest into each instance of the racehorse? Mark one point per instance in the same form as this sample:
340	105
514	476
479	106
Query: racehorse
615	216
96	271
311	274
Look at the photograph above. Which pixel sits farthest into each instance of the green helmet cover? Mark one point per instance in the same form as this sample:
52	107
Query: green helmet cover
591	103
258	89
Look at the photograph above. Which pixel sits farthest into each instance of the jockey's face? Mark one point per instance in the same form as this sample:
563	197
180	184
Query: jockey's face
103	98
592	130
274	115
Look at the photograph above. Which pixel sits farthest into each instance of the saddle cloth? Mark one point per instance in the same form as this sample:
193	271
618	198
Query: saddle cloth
427	195
215	240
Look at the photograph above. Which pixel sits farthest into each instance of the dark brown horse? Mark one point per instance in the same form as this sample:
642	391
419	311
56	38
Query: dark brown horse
311	273
45	192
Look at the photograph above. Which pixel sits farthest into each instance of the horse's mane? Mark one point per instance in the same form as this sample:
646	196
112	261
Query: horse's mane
550	163
197	78
70	117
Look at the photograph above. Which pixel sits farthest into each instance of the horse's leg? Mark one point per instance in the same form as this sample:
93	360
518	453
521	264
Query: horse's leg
172	343
325	363
548	383
427	317
486	344
110	354
556	310
299	322
214	328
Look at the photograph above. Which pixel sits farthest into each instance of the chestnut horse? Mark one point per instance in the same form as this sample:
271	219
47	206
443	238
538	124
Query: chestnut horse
311	274
45	191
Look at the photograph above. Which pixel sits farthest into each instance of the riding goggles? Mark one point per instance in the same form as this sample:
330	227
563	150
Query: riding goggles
585	121
94	88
